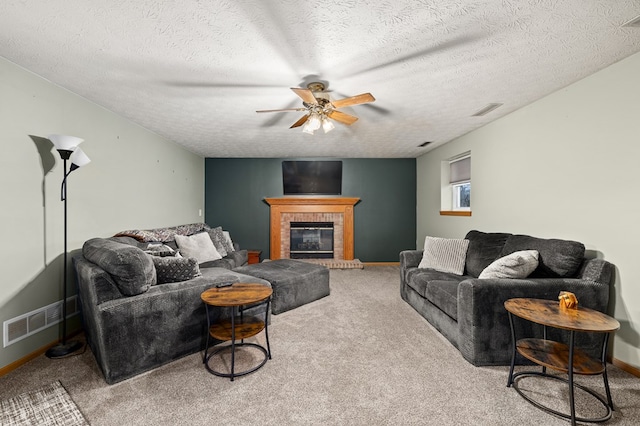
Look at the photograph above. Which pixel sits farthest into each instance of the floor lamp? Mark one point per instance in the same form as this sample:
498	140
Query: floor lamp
67	146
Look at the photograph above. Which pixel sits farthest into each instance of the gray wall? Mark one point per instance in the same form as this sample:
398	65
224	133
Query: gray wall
136	180
566	167
384	219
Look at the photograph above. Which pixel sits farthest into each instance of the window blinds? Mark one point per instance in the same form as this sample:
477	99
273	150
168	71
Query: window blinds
460	170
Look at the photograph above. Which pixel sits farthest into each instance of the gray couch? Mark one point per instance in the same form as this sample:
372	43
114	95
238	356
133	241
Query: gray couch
470	311
132	322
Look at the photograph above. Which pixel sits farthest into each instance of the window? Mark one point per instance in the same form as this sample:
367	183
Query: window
456	186
461	196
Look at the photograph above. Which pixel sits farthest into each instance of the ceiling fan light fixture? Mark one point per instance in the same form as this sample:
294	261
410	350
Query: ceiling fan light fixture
314	122
308	128
327	125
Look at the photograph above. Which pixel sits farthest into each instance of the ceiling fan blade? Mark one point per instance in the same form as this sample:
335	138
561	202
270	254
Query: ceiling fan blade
343	118
300	122
282	110
353	100
305	94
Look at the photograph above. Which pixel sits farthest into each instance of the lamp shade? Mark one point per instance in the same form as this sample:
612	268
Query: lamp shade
78	158
64	142
314	122
327	125
307	129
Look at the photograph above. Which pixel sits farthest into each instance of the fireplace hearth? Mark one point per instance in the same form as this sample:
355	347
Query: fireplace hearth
311	240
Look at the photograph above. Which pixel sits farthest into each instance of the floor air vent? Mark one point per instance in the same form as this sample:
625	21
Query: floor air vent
32	322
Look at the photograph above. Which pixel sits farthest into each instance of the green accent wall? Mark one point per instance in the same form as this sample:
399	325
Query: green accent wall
384	218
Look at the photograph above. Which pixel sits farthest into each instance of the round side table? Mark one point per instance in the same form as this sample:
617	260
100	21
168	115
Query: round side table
560	356
238	297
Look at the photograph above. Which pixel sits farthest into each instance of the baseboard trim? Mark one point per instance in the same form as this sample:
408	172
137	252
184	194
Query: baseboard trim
14	365
635	371
626	367
381	263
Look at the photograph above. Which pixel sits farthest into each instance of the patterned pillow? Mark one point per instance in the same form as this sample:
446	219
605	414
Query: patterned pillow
444	255
217	236
199	246
174	269
519	264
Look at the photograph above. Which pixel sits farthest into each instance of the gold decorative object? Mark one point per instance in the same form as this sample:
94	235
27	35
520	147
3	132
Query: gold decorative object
568	300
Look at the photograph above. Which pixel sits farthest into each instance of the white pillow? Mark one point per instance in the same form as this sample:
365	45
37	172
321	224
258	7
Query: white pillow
518	264
227	236
444	254
199	246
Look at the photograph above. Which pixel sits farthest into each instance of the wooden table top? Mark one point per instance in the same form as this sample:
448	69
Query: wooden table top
549	312
237	294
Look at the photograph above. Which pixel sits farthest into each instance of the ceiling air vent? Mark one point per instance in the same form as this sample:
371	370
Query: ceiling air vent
423	144
634	23
486	110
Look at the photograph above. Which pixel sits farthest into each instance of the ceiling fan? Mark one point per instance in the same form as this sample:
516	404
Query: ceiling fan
320	108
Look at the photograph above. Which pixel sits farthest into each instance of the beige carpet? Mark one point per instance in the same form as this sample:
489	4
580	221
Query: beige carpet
360	356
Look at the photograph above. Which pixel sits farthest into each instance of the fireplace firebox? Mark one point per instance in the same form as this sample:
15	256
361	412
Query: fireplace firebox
311	240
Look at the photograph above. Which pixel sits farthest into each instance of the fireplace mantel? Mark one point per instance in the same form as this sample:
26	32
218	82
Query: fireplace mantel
339	205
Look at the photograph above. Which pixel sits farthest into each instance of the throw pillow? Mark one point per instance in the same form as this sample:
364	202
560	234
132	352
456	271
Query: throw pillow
484	248
229	244
130	267
219	241
444	255
557	258
159	249
519	264
174	269
199	246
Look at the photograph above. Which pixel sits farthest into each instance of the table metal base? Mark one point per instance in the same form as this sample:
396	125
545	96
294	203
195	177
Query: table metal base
524	374
233	347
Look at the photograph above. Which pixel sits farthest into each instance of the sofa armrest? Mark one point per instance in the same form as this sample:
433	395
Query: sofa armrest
597	270
410	258
483	322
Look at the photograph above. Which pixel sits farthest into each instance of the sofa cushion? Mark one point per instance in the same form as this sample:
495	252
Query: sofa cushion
484	248
199	246
444	254
131	268
225	262
419	279
557	258
519	264
444	294
175	269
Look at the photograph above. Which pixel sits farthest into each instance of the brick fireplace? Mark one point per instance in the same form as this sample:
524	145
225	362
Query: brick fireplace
292	209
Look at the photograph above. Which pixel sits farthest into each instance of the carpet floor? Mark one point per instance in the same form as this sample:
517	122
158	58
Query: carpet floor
360	356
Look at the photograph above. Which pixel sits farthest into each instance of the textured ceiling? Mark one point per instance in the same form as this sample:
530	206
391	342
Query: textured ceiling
195	71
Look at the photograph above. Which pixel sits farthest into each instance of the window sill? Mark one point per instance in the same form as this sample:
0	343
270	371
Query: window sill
455	213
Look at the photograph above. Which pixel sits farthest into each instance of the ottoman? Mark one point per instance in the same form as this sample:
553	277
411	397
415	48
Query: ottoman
294	283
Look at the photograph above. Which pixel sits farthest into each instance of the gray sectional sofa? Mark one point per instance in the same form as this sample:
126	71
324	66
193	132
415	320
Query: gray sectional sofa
134	320
470	312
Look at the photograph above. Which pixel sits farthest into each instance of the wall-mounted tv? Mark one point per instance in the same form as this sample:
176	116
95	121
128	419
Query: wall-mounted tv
312	177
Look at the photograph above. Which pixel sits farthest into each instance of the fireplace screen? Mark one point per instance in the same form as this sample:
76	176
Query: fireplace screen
311	240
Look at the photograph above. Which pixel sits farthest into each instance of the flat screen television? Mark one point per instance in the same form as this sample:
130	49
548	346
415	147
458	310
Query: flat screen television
312	177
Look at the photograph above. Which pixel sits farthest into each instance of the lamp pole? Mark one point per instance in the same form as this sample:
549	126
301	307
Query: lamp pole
78	159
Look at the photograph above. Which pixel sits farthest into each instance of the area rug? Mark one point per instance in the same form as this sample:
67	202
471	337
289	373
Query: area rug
50	405
336	264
